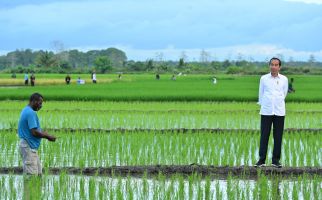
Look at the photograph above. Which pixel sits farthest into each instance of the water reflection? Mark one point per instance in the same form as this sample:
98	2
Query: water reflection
66	186
32	187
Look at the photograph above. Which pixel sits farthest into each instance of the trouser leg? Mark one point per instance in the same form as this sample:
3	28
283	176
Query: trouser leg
278	128
30	159
266	124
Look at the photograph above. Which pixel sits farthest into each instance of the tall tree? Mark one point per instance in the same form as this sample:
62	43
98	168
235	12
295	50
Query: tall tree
149	65
311	60
204	56
116	56
103	64
46	59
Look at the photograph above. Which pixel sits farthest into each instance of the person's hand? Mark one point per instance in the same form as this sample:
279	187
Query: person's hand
51	138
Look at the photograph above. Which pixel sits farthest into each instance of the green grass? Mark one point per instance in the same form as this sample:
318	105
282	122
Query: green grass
146	88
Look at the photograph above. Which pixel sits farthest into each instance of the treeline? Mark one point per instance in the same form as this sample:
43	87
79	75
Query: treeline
113	60
20	61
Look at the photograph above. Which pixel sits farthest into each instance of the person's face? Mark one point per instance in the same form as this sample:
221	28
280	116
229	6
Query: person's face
37	104
275	66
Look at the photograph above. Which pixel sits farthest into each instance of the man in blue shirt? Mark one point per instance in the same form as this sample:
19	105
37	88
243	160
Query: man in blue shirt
30	135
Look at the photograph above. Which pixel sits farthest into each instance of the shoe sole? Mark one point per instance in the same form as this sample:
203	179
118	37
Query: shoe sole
276	166
263	165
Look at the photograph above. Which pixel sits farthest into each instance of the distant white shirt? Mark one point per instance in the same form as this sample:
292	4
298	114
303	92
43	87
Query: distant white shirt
94	77
215	81
272	94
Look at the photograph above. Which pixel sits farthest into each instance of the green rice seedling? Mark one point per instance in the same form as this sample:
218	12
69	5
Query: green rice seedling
139	149
181	186
153	115
230	188
176	186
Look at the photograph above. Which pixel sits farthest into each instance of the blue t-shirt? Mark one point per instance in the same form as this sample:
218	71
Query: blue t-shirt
29	120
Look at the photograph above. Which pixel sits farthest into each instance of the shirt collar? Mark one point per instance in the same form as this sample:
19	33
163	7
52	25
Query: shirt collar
278	75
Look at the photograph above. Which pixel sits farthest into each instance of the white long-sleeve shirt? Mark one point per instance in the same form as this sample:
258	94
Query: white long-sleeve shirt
272	94
94	77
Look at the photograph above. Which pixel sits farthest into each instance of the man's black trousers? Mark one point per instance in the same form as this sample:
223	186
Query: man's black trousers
278	126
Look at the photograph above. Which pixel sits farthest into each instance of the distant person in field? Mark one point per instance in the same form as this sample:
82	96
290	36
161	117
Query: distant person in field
67	79
290	86
32	79
26	78
30	135
173	77
273	89
120	76
214	80
157	76
94	77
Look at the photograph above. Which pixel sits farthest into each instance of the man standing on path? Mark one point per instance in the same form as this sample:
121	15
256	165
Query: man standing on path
94	77
26	78
30	135
273	89
32	79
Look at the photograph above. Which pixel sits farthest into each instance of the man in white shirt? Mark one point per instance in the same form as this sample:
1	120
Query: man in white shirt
94	77
273	89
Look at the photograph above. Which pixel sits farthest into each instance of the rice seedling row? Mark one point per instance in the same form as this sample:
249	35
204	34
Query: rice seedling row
157	116
146	148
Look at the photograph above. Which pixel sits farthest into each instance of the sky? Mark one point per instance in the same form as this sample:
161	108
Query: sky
167	29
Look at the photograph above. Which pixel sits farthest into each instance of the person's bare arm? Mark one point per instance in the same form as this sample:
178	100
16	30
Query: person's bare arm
43	134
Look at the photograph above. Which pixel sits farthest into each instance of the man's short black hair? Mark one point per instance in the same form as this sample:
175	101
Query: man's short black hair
275	58
35	97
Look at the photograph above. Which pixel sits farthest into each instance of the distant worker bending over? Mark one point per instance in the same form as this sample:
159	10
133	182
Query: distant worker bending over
290	86
67	79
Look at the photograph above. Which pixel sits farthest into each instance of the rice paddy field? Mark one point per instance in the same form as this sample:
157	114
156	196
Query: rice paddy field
146	88
154	130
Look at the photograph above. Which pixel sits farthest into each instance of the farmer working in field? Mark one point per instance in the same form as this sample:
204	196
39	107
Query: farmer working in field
272	93
290	86
30	135
67	79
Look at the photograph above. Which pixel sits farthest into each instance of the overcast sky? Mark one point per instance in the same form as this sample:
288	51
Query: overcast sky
253	29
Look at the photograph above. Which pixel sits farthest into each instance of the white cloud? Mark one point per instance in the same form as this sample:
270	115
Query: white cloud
223	27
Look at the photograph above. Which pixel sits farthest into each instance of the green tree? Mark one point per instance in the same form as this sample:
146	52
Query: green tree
226	64
149	65
234	70
311	60
215	65
46	59
103	64
137	66
116	56
181	63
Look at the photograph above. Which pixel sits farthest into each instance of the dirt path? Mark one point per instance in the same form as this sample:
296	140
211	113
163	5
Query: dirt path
250	172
